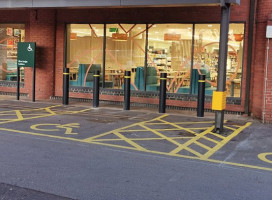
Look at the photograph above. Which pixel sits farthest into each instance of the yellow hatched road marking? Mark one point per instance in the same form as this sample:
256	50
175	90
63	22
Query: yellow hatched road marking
179	127
233	129
19	115
226	140
110	132
148	151
140	139
217	135
211	140
192	141
47	112
171	140
129	141
202	145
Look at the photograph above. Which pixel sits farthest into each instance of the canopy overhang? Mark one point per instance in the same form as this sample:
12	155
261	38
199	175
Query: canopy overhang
109	3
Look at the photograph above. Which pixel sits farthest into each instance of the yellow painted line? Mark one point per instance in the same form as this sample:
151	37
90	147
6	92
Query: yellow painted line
171	140
50	111
199	128
140	139
166	129
129	141
179	129
262	156
38	114
157	118
189	157
147	151
35	109
202	145
226	140
130	130
202	122
177	126
217	135
211	140
19	115
40	134
233	129
109	132
186	144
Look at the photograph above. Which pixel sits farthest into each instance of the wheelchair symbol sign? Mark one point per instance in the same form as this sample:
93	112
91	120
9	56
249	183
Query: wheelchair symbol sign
56	127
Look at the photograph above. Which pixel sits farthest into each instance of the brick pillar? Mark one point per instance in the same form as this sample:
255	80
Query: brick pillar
267	101
259	98
42	30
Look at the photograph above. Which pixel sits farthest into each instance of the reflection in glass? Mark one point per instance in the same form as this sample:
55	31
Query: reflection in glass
84	52
169	50
125	50
206	53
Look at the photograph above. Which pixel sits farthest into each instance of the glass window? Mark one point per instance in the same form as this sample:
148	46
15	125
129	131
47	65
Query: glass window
206	53
169	50
84	52
10	35
125	50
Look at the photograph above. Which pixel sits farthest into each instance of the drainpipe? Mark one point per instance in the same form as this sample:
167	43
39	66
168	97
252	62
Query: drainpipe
265	79
249	56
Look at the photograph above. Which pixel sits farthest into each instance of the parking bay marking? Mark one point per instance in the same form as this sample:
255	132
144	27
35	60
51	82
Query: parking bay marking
95	140
263	157
68	128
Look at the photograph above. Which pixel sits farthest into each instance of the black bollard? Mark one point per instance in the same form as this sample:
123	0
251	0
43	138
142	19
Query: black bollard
162	102
18	83
65	98
127	90
232	88
96	88
201	95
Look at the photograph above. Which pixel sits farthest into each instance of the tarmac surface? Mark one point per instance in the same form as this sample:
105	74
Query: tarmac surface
51	151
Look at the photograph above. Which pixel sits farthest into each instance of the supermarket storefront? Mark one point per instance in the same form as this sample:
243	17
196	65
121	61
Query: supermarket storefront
182	41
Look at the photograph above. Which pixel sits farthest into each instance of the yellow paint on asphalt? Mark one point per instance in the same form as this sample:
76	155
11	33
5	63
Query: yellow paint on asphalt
28	114
263	157
67	127
144	126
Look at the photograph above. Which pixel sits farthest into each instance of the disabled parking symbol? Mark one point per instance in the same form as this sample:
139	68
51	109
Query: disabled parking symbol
263	157
56	127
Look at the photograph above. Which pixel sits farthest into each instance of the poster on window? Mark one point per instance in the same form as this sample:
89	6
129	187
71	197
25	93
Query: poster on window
10	31
16	32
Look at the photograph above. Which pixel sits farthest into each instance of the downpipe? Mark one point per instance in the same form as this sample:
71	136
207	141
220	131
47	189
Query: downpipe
265	79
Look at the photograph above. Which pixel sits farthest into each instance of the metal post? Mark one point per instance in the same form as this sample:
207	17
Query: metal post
18	83
201	95
222	62
96	88
162	101
127	90
34	84
65	98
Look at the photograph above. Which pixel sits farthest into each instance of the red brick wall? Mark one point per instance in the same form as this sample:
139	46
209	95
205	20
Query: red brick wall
264	9
43	32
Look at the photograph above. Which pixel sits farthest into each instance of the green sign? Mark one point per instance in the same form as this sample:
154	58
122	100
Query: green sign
26	54
113	30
